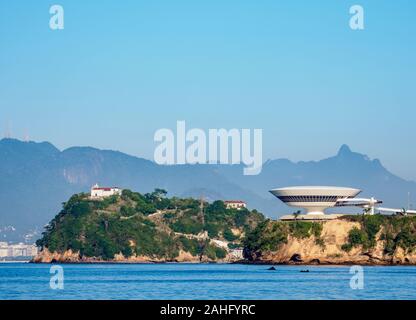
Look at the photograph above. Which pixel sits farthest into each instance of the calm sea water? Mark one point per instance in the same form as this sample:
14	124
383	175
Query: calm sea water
203	281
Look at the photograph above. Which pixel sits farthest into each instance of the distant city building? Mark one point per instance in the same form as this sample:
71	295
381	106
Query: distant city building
17	250
235	204
4	249
98	192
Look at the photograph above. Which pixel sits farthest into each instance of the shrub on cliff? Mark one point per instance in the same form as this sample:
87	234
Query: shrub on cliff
229	235
400	232
142	203
270	235
192	246
187	224
304	229
267	236
213	252
396	231
356	237
105	203
126	211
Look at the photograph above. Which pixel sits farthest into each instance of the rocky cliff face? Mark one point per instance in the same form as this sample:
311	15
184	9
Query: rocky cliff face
45	256
329	248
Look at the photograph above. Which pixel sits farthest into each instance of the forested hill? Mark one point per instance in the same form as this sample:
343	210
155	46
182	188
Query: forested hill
145	227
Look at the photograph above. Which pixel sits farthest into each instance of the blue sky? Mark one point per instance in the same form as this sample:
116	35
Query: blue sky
120	70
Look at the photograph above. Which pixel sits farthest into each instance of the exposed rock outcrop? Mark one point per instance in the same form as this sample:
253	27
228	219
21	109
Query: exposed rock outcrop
329	250
45	256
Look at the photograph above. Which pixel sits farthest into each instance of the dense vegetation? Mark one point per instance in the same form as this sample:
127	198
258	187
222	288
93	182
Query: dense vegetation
397	231
270	235
146	225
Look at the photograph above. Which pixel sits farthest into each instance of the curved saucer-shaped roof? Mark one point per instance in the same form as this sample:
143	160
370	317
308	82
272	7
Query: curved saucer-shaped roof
315	199
316	191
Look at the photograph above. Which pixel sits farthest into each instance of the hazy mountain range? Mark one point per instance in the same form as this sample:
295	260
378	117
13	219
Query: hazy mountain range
35	178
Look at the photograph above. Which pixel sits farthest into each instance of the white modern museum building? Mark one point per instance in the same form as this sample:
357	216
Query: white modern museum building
316	199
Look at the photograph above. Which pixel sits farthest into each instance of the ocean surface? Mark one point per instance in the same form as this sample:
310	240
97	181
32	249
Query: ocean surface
204	281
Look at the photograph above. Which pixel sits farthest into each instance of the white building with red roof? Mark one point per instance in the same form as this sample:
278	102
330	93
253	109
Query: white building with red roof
235	204
98	192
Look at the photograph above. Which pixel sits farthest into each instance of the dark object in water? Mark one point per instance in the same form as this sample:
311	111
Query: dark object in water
304	270
272	268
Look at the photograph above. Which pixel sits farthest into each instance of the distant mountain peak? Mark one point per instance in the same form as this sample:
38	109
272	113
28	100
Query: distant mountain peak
344	150
16	144
10	141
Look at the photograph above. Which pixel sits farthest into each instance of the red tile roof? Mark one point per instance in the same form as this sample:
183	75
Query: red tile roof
104	189
234	201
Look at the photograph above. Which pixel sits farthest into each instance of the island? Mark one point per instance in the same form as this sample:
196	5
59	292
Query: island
134	227
131	227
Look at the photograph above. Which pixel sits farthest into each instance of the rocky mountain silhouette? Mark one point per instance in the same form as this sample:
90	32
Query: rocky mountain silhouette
35	178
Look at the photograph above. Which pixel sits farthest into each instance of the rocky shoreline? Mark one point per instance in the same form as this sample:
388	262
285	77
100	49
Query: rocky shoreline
243	262
68	257
151	228
328	249
295	251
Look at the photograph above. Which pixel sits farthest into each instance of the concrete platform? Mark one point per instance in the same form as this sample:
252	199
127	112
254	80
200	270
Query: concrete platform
310	217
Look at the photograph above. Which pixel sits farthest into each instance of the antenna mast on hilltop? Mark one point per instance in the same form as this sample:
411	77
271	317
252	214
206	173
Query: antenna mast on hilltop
409	203
201	210
8	132
26	136
203	243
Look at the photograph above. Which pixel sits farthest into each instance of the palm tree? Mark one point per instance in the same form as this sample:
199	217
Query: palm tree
296	214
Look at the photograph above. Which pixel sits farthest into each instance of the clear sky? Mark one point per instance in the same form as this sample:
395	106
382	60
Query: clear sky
120	70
